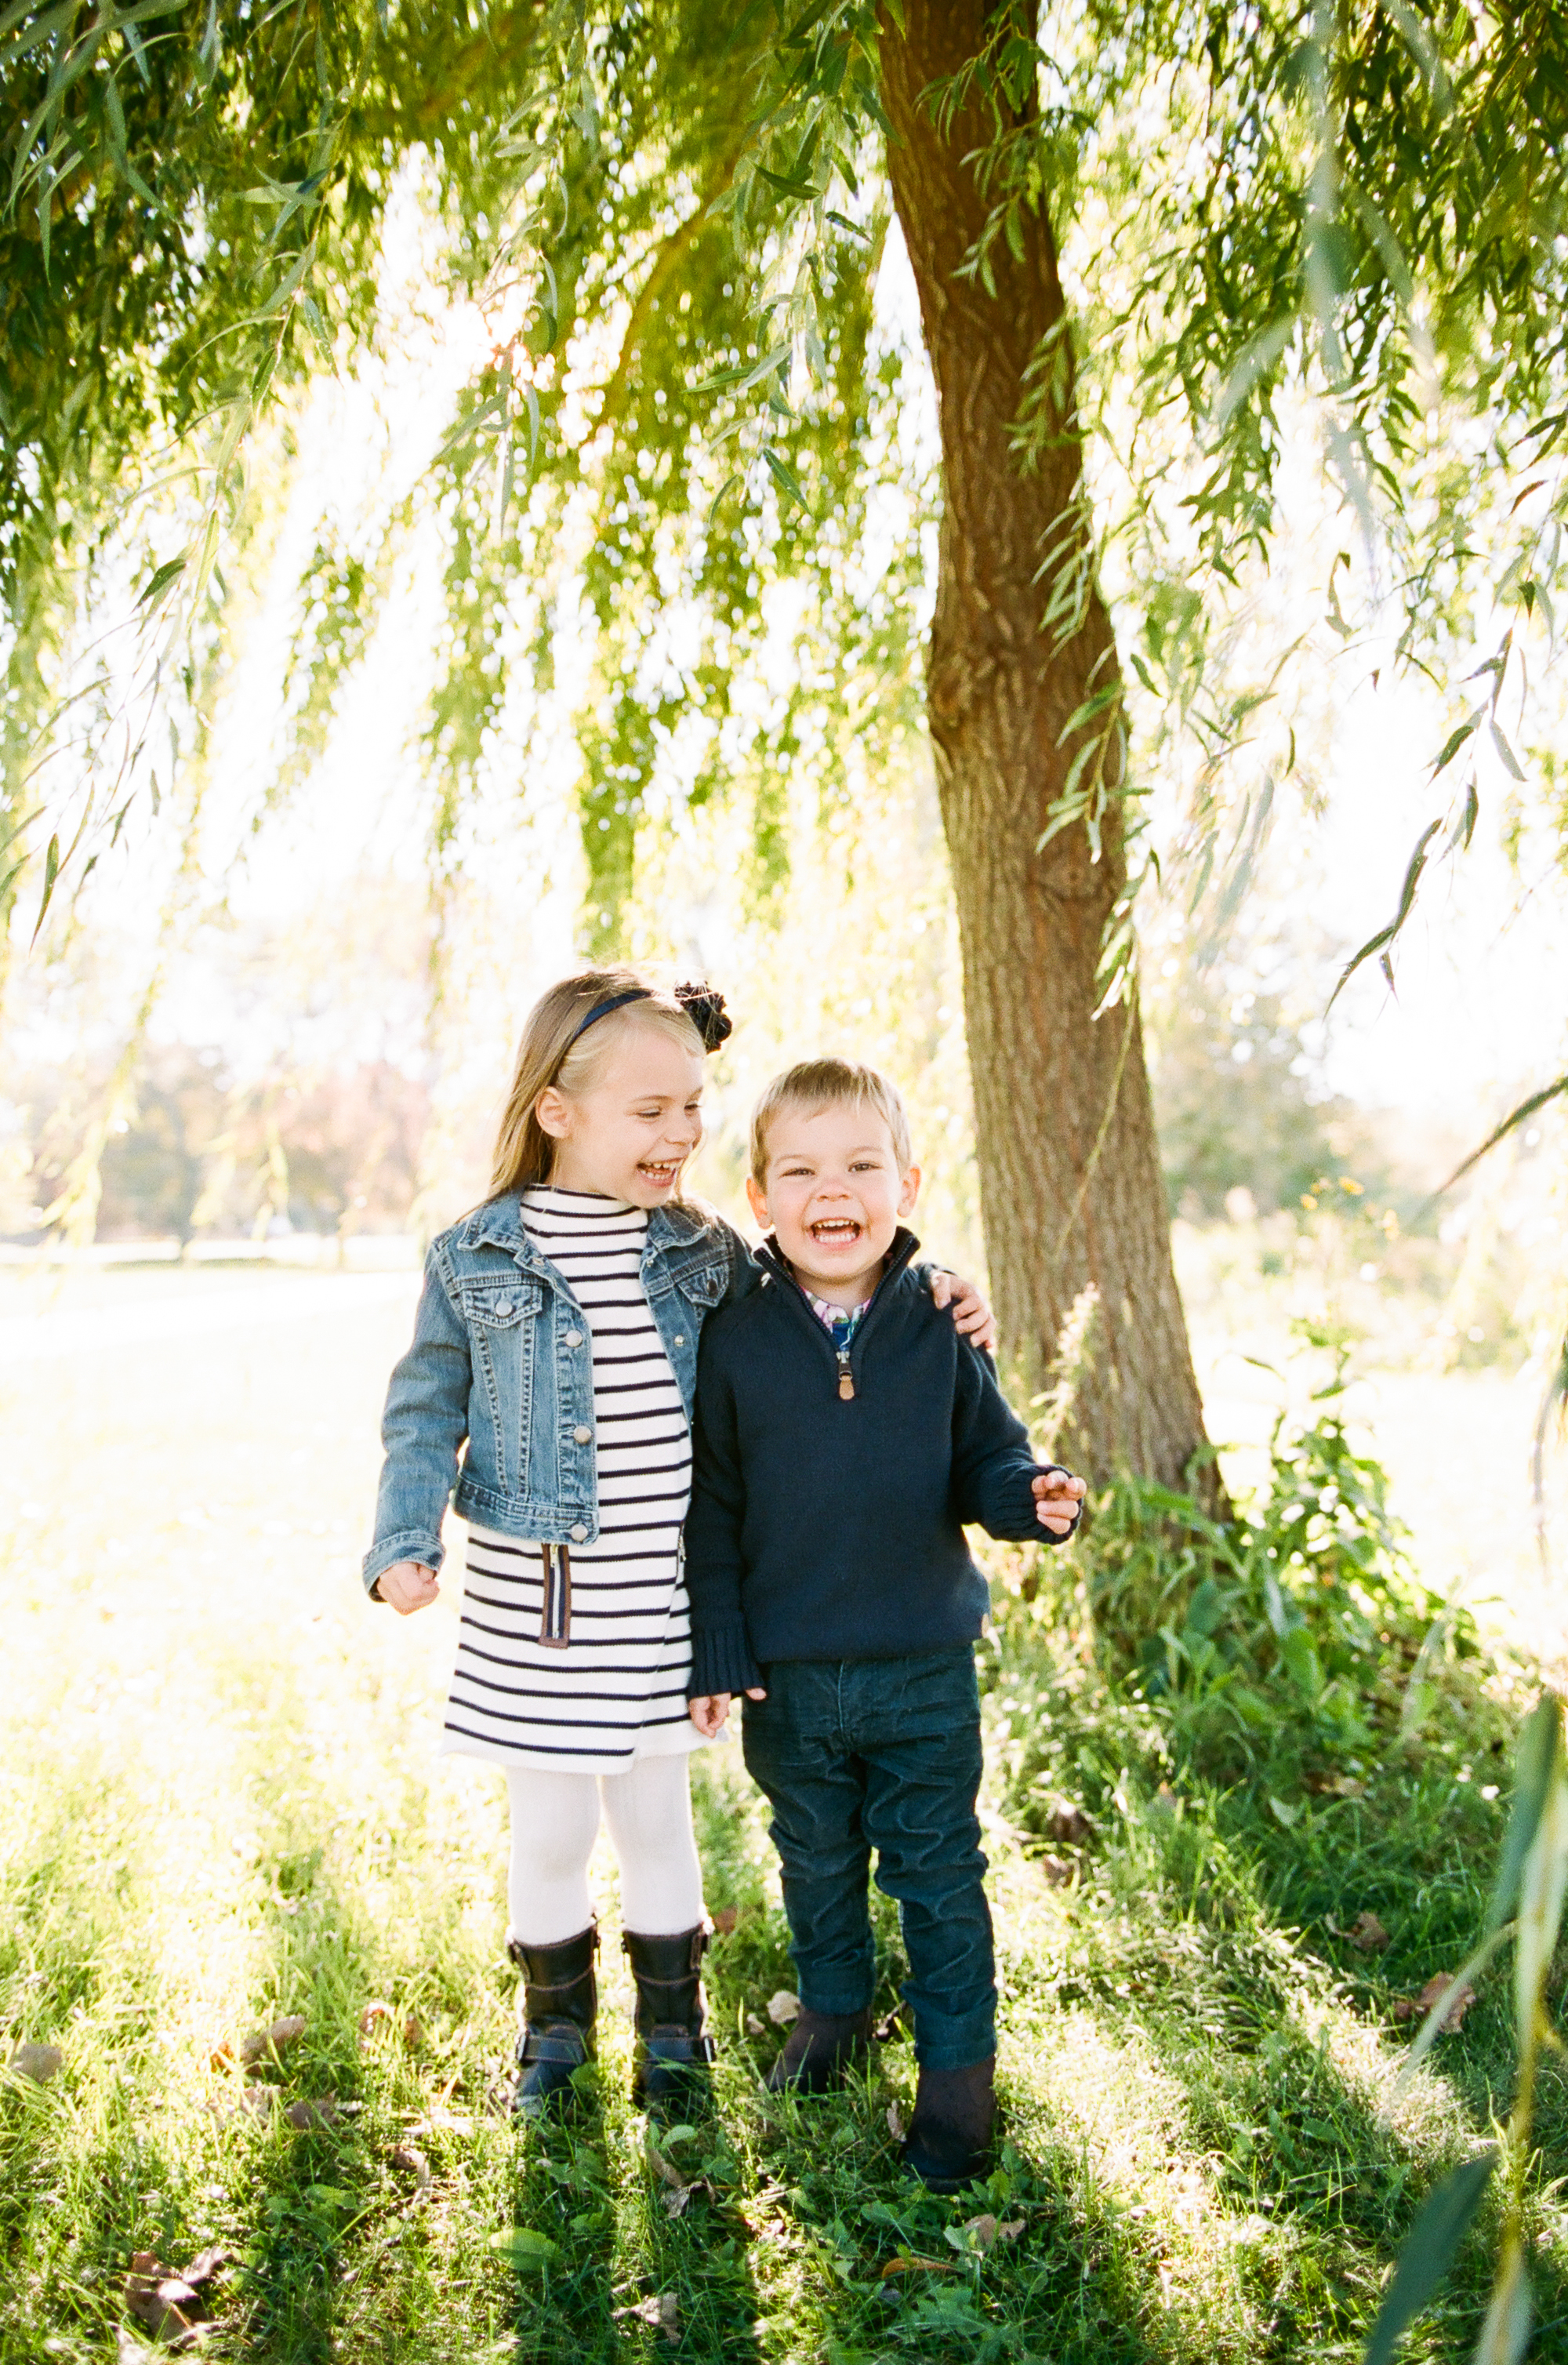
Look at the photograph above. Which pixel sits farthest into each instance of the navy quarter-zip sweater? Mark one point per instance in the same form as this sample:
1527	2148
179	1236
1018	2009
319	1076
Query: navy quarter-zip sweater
826	1527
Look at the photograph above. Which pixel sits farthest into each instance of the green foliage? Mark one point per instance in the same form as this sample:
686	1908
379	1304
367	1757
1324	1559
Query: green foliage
1258	1642
671	218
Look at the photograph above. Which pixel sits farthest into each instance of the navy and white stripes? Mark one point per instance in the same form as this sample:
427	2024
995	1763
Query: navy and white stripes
612	1689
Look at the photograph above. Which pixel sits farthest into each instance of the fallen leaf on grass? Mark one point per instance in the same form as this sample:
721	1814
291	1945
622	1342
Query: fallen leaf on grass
413	2034
1417	2007
165	2304
662	2312
372	2014
755	2027
907	2263
679	2190
129	2351
1068	1822
895	2123
410	2157
322	2113
1334	1785
980	2233
206	2265
457	2123
262	2041
521	2248
783	2007
1056	1870
38	2062
1366	1935
725	1920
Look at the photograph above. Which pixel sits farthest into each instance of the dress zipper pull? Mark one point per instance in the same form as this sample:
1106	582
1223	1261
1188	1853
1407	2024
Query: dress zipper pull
845	1378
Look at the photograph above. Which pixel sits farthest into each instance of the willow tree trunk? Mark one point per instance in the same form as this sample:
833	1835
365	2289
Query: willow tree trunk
1070	1169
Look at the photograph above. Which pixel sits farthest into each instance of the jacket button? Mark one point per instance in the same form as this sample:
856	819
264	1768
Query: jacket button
574	1338
504	1306
579	1533
581	1436
680	1337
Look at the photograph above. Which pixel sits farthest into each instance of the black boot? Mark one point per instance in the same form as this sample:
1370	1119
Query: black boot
950	2138
672	2054
821	2046
560	1998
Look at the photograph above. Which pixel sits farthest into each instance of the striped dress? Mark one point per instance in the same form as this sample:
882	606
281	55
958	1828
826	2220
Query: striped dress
616	1692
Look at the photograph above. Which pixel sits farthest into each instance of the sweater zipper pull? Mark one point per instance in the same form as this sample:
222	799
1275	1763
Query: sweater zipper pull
845	1377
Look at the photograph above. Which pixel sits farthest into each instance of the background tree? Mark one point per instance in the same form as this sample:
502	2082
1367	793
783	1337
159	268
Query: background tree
673	218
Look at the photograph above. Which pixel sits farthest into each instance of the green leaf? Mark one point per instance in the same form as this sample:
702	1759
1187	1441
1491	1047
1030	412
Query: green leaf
50	873
1505	2335
786	479
1430	2247
1510	761
1515	1118
1455	740
1406	897
163	577
1535	1765
521	2248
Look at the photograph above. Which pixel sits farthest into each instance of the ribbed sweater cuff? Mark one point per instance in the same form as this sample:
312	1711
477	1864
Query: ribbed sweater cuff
721	1661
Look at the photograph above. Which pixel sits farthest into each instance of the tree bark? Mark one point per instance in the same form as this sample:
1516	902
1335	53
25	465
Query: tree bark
1068	1164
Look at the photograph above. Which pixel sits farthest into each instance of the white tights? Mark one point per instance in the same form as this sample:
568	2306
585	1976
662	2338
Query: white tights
554	1823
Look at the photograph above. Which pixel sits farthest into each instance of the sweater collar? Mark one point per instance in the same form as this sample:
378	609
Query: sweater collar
903	1247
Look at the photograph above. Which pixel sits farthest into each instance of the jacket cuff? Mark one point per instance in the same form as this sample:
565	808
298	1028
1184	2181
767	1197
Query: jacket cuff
412	1543
721	1662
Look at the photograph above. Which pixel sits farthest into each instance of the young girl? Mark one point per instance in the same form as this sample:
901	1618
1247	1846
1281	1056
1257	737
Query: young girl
548	1394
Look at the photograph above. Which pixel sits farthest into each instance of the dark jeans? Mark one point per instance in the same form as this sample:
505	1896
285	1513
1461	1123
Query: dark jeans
884	1754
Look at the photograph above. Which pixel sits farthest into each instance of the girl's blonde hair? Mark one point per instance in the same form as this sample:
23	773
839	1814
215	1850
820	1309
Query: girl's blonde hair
548	1055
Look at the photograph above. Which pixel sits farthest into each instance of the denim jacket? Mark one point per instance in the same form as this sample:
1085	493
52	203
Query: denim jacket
503	1362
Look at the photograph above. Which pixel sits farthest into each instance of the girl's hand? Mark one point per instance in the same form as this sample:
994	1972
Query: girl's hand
408	1586
710	1713
972	1316
1059	1498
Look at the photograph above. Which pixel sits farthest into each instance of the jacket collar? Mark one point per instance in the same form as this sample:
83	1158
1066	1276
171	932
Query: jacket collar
903	1248
499	1224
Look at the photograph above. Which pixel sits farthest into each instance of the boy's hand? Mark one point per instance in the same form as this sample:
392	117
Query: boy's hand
971	1314
408	1586
710	1713
1058	1496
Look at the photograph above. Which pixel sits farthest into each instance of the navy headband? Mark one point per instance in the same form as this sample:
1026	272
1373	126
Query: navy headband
701	1004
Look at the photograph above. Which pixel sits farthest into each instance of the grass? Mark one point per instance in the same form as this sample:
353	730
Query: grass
219	1809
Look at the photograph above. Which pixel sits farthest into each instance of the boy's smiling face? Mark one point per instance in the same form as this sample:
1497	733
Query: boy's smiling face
834	1194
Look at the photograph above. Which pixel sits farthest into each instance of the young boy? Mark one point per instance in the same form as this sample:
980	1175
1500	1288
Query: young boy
844	1436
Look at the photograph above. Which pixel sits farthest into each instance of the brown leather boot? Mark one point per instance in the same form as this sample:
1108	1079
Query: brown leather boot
949	2139
821	2046
560	1998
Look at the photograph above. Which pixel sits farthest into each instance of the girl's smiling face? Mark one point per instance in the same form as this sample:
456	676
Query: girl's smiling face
629	1135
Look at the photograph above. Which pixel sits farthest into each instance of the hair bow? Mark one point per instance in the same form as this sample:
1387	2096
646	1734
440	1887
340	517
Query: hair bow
706	1011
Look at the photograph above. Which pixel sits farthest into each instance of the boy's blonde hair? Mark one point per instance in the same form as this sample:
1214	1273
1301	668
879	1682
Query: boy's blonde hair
818	1084
552	1052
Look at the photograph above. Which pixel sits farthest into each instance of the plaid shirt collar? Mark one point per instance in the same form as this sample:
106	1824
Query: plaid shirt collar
840	1322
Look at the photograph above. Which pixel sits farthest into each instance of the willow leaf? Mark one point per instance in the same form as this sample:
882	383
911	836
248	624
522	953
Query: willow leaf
1515	1119
1430	2250
1385	937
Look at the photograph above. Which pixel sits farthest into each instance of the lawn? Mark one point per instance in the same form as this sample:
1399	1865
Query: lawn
220	1809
